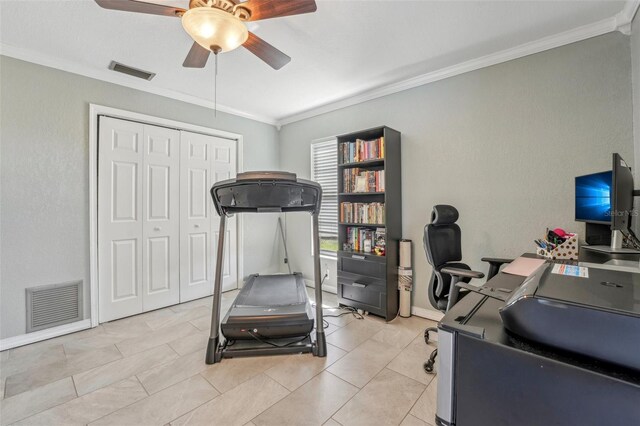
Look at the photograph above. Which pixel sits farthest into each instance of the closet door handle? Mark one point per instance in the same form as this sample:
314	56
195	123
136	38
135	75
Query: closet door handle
196	226
157	228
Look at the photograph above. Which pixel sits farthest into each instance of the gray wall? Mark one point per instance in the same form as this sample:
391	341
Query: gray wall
635	65
44	200
502	144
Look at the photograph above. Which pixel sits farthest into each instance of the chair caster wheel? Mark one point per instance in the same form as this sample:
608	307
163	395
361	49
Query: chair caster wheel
428	366
426	336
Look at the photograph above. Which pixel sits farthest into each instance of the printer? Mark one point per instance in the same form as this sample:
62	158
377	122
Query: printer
559	347
588	311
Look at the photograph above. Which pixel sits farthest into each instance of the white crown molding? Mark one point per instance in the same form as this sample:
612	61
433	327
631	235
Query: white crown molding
624	19
617	22
121	80
628	12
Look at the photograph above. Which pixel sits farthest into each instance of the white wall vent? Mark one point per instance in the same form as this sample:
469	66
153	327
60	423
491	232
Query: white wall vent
52	305
134	72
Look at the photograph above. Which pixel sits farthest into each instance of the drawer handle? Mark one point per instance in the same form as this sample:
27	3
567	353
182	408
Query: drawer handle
357	284
356	256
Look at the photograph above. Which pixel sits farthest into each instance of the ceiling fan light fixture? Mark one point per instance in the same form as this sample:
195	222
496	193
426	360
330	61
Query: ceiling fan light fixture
213	27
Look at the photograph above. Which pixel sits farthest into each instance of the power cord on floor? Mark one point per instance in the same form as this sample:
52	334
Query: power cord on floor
348	309
267	342
395	318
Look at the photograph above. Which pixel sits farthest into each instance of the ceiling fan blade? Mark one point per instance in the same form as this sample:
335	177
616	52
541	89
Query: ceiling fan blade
141	7
263	50
197	57
265	9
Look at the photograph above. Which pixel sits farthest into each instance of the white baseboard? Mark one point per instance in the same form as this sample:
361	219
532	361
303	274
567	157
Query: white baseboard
325	287
329	289
37	336
426	313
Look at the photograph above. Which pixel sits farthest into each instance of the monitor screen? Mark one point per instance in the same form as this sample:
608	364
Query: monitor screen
593	197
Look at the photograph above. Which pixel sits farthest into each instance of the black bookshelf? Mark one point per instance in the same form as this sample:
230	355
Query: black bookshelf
366	280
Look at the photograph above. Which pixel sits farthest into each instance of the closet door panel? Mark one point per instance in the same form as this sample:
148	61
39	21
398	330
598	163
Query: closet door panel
120	217
161	225
224	167
196	274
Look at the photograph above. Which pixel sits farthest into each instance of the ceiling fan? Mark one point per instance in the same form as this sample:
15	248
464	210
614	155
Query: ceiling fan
218	25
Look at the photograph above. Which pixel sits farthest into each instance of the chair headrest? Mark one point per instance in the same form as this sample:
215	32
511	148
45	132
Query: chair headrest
444	214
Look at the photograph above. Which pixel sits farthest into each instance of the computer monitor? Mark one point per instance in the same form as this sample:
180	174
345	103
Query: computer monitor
593	198
622	195
592	206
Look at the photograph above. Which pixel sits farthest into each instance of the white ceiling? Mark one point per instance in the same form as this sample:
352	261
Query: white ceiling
345	48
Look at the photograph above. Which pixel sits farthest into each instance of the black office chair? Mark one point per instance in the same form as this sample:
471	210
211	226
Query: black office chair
442	244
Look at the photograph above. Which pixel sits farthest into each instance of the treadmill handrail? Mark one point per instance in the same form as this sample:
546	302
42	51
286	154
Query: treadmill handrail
296	195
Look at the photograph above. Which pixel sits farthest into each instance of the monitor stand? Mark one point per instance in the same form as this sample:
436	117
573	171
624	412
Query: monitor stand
611	250
615	247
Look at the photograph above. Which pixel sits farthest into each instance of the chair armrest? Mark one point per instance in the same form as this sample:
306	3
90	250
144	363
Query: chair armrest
496	260
457	274
463	273
494	265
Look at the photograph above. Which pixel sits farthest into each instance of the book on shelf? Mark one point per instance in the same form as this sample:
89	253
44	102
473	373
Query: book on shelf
380	245
361	150
358	180
358	239
368	213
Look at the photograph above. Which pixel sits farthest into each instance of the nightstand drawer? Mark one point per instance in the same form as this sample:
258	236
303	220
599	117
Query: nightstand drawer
361	265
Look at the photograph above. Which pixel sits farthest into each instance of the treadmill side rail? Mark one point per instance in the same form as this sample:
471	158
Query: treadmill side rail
321	343
214	351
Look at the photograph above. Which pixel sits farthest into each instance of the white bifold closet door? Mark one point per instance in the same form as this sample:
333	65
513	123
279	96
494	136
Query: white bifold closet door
138	218
205	160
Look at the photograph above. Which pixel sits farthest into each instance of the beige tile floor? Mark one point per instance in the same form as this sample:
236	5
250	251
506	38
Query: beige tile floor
149	370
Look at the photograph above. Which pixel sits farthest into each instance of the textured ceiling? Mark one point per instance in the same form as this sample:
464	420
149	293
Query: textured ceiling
345	48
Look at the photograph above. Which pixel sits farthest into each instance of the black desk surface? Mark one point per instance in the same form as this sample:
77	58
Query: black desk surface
594	256
478	312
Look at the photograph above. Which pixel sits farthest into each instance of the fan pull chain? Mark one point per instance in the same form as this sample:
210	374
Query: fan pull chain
215	89
215	50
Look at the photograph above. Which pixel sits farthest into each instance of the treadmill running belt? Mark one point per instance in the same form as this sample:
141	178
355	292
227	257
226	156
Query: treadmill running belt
271	290
270	306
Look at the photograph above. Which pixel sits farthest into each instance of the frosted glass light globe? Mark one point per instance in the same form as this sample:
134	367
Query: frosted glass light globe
213	27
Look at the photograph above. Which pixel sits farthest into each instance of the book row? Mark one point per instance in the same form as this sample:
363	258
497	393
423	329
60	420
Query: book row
357	180
362	213
366	240
361	150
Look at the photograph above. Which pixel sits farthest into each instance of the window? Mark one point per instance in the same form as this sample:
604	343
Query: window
324	170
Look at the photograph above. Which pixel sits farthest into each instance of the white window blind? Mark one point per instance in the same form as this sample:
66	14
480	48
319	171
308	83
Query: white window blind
324	170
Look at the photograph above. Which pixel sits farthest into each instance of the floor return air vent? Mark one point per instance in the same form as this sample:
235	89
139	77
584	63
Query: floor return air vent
52	305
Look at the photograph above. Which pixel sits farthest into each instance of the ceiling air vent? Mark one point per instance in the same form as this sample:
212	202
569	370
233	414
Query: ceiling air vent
134	72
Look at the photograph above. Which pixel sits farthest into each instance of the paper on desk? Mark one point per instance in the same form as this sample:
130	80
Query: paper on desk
523	266
570	270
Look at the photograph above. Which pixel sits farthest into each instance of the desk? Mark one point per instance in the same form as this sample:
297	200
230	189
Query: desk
487	376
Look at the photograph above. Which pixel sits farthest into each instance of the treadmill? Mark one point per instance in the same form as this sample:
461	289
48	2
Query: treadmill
268	306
